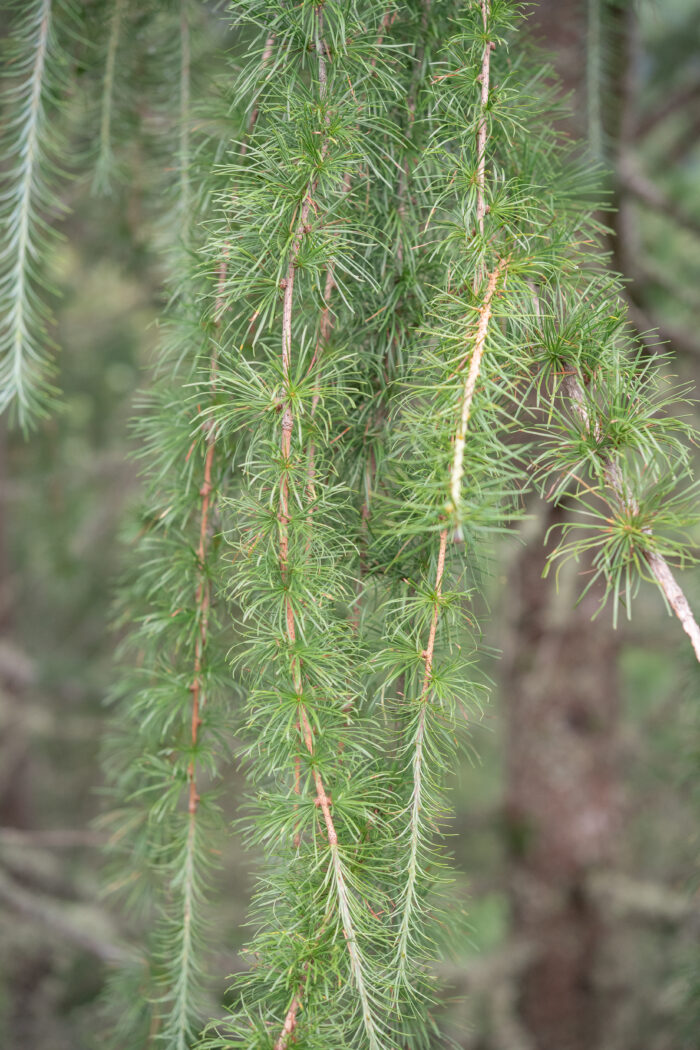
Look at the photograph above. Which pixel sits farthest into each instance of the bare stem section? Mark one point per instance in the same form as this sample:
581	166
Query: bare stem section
457	471
290	1023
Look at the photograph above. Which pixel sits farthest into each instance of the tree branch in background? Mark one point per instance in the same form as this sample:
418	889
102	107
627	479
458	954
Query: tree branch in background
634	182
673	101
654	332
77	923
50	838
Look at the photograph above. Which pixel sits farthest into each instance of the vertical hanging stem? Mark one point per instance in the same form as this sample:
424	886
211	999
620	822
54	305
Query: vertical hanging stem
202	601
482	133
104	160
323	800
203	587
266	56
184	157
203	591
456	473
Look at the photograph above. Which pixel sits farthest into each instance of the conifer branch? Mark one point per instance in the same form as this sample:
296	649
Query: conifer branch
323	801
345	930
417	804
180	1023
428	655
184	121
457	470
658	565
27	200
104	165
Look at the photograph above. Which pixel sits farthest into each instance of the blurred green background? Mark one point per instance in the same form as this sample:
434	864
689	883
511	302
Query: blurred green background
591	740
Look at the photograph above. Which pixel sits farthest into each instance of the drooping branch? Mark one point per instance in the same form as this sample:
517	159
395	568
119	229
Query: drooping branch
105	157
482	133
184	121
202	597
323	800
203	590
22	330
456	474
428	654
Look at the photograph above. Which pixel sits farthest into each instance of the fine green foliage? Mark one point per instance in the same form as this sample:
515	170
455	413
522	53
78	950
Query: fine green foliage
388	320
33	150
110	69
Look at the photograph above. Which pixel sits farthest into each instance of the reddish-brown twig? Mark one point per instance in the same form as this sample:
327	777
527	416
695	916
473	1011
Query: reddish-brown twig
482	132
290	1023
323	800
203	589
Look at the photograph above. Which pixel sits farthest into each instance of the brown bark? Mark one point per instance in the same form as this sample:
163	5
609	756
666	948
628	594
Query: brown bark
562	794
560	688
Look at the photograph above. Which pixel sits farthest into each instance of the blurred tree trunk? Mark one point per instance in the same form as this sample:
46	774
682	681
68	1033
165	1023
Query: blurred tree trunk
560	689
15	674
562	794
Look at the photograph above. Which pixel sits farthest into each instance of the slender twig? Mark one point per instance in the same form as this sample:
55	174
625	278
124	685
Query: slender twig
482	133
203	590
456	473
428	654
105	157
658	565
323	800
202	593
24	248
457	470
184	122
